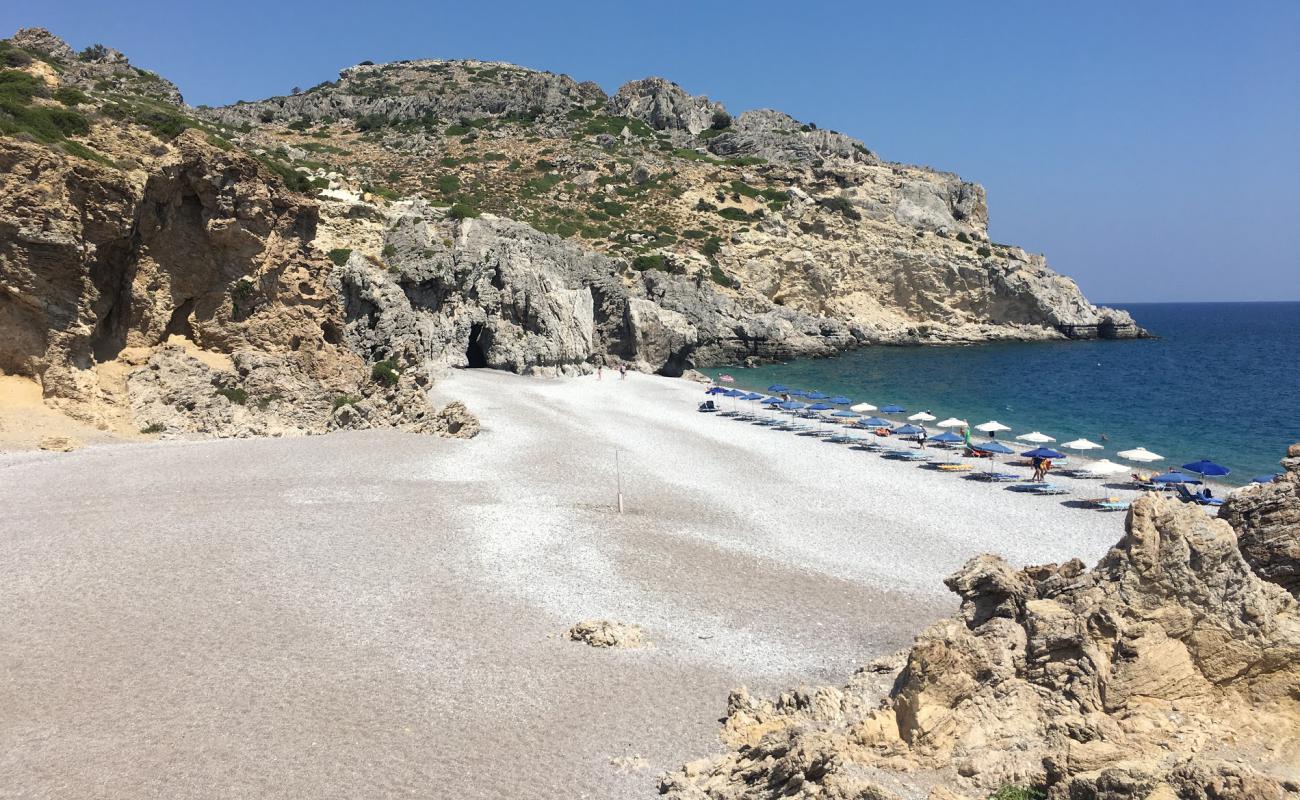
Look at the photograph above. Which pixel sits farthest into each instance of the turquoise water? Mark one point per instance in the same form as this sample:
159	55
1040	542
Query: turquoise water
1222	382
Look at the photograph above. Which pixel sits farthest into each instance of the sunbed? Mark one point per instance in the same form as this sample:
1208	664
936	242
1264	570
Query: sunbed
1189	496
707	407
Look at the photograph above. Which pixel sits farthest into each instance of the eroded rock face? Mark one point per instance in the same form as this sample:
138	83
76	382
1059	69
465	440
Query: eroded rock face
664	105
1169	670
776	136
1267	520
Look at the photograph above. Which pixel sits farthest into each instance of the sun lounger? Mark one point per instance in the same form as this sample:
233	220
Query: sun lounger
911	455
954	467
707	407
1189	496
997	477
1038	488
842	438
1112	505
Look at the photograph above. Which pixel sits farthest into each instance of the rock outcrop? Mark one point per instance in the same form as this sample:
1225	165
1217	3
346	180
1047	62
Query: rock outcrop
664	105
1267	520
604	633
1168	671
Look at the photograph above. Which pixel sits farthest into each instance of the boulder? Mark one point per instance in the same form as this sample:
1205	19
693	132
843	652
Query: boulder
664	105
602	633
1267	520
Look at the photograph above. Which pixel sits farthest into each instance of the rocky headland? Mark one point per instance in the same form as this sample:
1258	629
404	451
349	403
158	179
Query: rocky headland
307	262
1169	671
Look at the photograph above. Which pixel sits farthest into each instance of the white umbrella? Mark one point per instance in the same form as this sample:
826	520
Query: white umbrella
1083	444
1104	467
992	426
1139	454
862	408
953	422
1035	437
922	416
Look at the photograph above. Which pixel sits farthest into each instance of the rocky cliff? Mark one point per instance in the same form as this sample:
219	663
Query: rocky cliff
1267	520
432	213
1169	670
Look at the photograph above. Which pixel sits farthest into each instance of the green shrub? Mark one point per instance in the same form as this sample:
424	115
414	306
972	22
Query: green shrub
81	151
712	247
448	184
71	96
456	130
234	394
721	120
739	214
153	427
962	237
94	52
494	156
984	251
385	372
340	255
643	263
693	234
705	205
542	165
614	126
293	179
389	251
723	279
1011	792
345	400
380	191
462	211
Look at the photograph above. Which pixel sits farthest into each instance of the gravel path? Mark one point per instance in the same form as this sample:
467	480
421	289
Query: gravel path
380	615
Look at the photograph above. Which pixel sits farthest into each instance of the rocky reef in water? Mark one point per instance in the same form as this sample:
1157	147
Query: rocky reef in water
1170	671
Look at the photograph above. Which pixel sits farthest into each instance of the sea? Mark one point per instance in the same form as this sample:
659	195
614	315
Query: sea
1220	381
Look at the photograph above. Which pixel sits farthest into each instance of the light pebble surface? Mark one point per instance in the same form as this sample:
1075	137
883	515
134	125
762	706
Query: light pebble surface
379	614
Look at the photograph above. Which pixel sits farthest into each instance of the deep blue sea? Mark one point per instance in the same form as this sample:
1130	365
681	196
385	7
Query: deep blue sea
1222	381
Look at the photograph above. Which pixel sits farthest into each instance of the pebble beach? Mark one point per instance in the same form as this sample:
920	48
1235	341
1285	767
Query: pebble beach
382	614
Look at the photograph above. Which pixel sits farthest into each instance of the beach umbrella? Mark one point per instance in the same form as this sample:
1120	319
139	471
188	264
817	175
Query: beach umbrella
1042	452
1265	478
992	447
892	409
792	405
863	408
820	407
716	390
1104	467
1139	454
1082	444
840	400
797	393
947	437
1035	437
726	379
953	422
908	430
1207	468
845	413
992	426
752	396
1174	477
778	388
816	395
735	393
923	416
876	422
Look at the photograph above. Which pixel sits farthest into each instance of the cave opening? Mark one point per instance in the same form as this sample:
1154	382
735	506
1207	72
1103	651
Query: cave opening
475	356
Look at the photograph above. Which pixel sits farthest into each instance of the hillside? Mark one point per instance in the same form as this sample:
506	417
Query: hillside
430	213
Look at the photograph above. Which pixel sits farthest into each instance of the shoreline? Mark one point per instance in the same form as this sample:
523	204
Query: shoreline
377	598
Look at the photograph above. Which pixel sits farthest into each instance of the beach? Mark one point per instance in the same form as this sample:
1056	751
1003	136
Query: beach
382	614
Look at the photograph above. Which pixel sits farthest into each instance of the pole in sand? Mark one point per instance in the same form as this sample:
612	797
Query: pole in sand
618	474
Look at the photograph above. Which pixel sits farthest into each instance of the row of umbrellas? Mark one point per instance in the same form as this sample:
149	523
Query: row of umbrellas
824	402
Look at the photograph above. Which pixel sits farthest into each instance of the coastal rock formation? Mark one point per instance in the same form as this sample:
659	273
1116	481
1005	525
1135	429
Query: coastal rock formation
775	136
1168	670
607	633
1267	520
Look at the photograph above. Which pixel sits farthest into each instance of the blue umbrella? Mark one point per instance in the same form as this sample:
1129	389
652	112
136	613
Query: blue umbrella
1174	477
820	407
993	447
773	401
797	393
908	430
892	410
816	395
840	400
735	393
948	437
716	390
1042	452
1264	478
778	388
793	405
845	413
877	422
1207	468
752	396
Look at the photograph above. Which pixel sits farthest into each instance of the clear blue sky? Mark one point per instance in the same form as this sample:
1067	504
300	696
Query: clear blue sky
1150	149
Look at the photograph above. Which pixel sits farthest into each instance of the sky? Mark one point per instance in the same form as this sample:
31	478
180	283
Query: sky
1150	149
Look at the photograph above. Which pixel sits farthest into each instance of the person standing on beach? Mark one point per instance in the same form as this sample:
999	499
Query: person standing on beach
600	371
622	372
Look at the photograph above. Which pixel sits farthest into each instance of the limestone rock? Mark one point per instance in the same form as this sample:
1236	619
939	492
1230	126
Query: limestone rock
603	633
664	105
60	444
39	40
775	136
454	420
1169	670
1267	520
